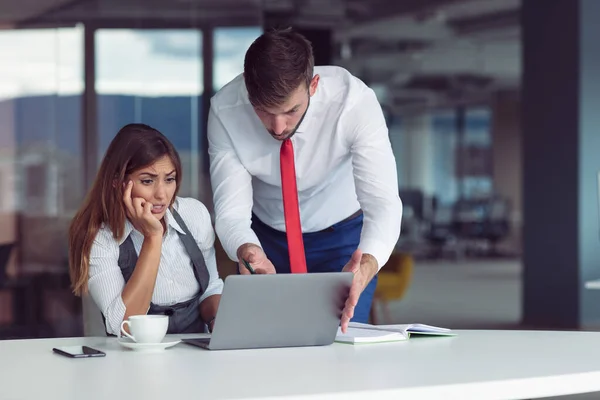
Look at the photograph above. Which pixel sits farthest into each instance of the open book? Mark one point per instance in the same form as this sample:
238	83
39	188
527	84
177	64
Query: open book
358	333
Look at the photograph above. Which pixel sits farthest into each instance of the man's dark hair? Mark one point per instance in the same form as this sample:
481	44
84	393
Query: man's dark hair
276	64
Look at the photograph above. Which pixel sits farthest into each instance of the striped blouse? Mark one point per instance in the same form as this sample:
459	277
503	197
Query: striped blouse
175	281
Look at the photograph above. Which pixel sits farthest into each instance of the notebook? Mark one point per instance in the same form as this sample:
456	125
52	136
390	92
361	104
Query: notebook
361	336
358	333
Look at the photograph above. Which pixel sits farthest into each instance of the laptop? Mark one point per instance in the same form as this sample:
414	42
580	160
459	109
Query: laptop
279	310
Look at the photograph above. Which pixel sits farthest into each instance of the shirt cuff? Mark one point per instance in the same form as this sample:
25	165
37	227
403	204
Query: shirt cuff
234	243
114	316
215	287
377	249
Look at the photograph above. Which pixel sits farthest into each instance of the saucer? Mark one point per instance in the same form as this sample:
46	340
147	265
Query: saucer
165	344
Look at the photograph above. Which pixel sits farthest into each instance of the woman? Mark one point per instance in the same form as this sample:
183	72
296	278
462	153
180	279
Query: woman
129	244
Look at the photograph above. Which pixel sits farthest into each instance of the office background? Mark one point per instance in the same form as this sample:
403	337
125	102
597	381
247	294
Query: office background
490	113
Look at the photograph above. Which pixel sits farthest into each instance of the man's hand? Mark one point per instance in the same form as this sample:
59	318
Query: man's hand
364	267
256	257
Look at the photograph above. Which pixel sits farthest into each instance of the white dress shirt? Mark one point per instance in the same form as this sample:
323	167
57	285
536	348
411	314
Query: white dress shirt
343	157
175	282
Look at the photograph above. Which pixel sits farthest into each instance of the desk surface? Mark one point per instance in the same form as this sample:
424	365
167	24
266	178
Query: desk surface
473	365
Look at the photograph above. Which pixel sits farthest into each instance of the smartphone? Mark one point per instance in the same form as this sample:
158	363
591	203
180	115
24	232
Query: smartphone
78	352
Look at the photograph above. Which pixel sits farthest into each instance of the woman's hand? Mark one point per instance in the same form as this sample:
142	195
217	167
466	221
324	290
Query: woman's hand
139	212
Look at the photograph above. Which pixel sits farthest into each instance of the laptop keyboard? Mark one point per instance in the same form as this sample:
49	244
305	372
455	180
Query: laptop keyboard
202	342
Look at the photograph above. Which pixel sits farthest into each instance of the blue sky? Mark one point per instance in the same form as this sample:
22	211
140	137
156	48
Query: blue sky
135	62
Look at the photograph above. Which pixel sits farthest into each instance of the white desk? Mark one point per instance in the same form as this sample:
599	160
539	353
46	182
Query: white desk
474	365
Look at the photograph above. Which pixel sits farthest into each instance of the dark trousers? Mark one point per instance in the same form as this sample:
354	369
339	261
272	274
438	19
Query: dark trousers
326	251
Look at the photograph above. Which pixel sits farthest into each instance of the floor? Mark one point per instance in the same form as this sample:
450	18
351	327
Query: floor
461	295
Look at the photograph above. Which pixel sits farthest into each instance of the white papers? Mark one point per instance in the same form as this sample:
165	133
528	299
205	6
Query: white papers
358	333
361	335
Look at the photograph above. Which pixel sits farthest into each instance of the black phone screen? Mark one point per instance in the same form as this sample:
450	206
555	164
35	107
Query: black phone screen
78	351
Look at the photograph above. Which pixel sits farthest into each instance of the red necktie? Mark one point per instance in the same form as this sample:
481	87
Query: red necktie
291	210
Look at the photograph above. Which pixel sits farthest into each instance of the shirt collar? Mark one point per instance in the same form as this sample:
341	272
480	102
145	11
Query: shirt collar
126	231
171	222
303	127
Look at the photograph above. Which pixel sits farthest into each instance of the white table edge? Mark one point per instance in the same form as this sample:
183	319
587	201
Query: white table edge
537	387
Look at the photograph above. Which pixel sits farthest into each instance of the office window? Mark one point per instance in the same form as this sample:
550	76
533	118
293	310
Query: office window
230	45
41	86
477	154
463	166
153	77
445	142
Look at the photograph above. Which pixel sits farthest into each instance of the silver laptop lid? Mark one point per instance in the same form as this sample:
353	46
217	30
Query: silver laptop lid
258	311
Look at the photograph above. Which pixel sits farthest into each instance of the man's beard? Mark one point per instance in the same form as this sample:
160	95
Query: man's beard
291	132
285	135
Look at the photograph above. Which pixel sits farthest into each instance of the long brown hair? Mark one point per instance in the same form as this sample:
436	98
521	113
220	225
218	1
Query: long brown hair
134	147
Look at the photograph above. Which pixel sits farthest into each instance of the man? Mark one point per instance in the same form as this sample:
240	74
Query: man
302	169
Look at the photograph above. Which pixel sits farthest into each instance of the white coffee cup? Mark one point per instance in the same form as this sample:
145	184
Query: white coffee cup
146	328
